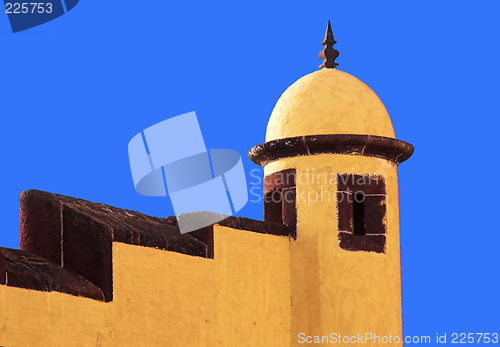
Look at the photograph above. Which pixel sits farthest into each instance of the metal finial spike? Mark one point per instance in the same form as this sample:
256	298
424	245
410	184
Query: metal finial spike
329	54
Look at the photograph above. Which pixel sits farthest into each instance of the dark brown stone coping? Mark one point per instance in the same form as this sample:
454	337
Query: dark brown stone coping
26	270
257	226
77	234
280	180
369	145
368	243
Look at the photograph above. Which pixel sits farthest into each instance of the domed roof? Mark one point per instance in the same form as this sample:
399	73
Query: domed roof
328	101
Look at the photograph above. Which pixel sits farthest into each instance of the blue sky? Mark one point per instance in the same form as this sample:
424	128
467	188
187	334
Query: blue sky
76	90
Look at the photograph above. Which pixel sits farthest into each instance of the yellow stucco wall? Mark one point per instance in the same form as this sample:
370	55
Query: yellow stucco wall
161	298
33	318
334	290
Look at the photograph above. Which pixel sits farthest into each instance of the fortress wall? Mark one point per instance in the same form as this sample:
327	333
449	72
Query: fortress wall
230	286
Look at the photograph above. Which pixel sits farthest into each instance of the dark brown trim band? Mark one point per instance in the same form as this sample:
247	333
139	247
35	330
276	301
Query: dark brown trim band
368	145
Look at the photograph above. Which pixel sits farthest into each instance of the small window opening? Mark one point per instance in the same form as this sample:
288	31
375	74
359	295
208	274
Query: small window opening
273	210
358	213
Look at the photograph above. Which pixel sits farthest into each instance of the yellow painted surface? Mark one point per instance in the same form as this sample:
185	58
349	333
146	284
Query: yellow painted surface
161	298
32	318
240	298
328	101
334	290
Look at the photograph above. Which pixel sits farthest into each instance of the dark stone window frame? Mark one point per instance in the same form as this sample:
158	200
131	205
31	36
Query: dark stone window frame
280	198
372	237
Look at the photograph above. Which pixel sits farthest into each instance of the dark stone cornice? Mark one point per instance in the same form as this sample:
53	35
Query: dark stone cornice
387	148
23	269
